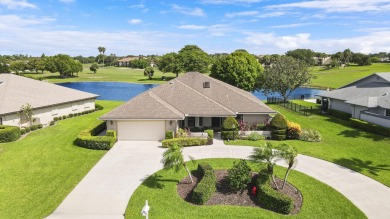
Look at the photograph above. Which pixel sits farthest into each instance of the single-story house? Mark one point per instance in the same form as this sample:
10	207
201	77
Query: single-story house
191	100
47	100
125	62
366	99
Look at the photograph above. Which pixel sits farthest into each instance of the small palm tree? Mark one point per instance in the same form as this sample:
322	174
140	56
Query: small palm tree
289	154
267	155
173	158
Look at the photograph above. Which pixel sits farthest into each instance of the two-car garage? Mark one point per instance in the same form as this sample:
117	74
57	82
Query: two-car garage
141	130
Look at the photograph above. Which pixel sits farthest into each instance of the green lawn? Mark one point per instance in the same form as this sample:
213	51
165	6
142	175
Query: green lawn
337	77
39	171
361	151
109	73
320	200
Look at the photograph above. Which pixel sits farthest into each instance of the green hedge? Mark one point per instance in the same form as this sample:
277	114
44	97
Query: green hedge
88	139
339	114
270	198
111	133
168	134
184	142
278	134
9	133
210	136
225	135
369	127
206	186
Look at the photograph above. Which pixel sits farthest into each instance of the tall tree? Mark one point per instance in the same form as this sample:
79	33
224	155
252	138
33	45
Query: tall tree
283	77
170	62
149	71
102	50
347	56
239	69
193	58
94	67
173	159
306	55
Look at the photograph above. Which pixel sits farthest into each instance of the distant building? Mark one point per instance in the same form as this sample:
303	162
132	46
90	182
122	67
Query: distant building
321	61
126	61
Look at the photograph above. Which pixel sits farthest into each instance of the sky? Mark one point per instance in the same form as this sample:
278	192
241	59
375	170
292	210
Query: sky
146	27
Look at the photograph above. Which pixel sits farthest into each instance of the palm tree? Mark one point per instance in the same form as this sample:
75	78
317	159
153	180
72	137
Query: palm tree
267	155
173	158
102	50
289	154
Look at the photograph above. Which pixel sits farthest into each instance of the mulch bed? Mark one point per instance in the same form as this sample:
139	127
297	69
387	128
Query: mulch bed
225	196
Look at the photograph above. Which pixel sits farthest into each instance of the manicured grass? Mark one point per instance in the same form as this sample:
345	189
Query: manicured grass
39	171
305	103
337	77
320	200
361	151
109	73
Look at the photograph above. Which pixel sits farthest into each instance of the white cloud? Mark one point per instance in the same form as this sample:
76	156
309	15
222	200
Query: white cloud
241	14
12	4
271	43
198	12
135	21
192	27
228	2
331	6
139	6
271	14
67	1
14	21
292	25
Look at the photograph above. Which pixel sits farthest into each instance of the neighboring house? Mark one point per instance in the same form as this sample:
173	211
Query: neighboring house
191	100
125	62
367	99
47	100
321	61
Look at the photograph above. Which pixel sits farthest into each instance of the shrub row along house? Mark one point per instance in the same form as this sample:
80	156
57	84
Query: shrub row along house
47	100
366	99
193	100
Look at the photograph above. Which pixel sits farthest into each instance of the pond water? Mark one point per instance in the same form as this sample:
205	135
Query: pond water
122	91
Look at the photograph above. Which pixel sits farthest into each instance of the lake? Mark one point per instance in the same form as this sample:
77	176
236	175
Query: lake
123	91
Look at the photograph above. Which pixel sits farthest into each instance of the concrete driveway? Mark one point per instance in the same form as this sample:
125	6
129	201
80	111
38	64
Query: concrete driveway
105	191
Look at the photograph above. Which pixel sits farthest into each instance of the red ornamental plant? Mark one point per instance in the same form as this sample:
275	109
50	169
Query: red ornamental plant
254	191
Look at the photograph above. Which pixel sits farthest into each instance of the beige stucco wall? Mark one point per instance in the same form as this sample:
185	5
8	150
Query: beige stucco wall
45	115
172	125
255	118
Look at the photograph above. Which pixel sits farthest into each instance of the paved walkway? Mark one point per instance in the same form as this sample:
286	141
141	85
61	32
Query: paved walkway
107	188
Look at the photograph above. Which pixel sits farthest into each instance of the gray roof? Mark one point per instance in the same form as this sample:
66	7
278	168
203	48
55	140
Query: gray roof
370	94
16	91
186	96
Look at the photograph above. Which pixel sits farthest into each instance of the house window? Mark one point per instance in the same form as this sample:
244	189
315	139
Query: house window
200	121
240	117
191	122
388	112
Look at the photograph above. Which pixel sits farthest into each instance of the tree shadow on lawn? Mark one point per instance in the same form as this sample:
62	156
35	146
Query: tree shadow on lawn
154	181
359	165
358	133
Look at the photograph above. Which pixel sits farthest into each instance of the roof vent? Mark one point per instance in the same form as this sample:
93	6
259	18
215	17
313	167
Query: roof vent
385	94
206	84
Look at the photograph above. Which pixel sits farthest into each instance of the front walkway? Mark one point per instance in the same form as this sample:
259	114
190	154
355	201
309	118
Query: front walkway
107	188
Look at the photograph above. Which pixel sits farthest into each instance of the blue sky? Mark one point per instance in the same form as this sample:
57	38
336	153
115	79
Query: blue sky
78	27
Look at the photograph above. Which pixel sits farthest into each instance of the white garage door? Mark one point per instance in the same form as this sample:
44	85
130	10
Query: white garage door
144	130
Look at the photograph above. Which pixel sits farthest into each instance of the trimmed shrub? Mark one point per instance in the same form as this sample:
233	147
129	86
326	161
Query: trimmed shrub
339	114
294	130
111	133
254	136
63	117
206	186
34	127
168	134
278	122
22	131
210	136
184	142
39	126
270	198
202	168
310	135
52	123
9	133
227	135
239	175
369	127
55	118
98	106
28	129
88	139
230	124
182	133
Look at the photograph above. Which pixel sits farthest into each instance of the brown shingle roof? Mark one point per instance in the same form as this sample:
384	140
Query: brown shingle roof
16	91
186	96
